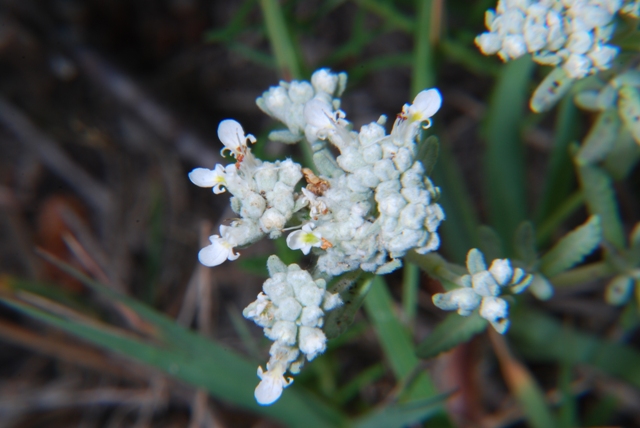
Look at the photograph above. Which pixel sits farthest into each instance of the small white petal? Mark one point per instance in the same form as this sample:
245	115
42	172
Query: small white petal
425	105
217	253
203	177
233	137
270	387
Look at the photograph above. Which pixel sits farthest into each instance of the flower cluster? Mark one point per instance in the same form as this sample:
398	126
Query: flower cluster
570	33
367	208
364	210
481	288
291	311
373	203
263	195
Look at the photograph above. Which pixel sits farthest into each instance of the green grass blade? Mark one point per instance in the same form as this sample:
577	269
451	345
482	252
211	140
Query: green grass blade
549	340
394	338
410	285
402	415
386	11
560	177
398	347
423	67
597	187
570	205
459	231
226	375
366	377
573	248
504	161
280	39
451	332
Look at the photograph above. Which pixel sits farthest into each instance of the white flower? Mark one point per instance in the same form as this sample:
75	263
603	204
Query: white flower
425	105
220	250
215	178
232	136
271	384
304	239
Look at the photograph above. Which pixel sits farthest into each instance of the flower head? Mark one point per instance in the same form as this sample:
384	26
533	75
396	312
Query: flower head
233	137
304	239
220	250
215	178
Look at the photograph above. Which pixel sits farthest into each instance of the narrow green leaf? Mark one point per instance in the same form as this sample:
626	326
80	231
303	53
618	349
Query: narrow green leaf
525	243
549	341
550	90
451	332
353	288
402	415
623	156
573	248
280	39
558	216
387	12
428	152
362	380
560	178
597	187
226	375
410	285
460	231
504	160
395	340
423	67
490	243
600	139
568	413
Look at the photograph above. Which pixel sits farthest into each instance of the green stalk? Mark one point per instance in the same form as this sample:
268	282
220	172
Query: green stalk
281	42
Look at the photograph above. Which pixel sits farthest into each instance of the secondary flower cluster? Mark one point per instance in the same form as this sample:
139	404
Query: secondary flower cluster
481	288
373	203
291	311
263	195
570	33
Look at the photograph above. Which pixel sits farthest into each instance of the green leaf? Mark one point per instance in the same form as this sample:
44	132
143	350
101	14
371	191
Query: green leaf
623	156
572	248
550	90
353	288
185	355
525	243
560	178
280	39
428	153
597	187
504	160
600	139
460	231
395	340
402	415
451	332
542	338
490	243
226	375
